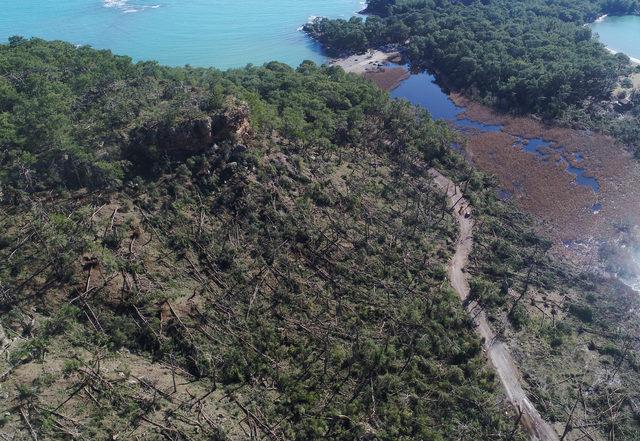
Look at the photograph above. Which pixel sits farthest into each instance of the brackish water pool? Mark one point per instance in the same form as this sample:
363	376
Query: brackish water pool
218	33
422	90
621	34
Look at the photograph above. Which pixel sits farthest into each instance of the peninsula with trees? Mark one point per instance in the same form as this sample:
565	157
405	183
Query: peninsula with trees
287	253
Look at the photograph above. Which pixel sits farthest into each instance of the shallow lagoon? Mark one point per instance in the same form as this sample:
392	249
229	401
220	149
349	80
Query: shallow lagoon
422	90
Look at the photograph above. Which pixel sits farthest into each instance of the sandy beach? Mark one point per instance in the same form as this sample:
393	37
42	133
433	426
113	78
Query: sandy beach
634	61
372	65
601	18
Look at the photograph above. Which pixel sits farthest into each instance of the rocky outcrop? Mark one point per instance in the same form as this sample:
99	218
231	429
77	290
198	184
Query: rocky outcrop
190	136
196	134
233	122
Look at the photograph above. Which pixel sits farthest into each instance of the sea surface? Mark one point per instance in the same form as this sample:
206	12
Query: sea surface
621	34
219	33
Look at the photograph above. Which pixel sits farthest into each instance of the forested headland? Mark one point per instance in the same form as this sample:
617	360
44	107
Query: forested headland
525	57
219	255
195	254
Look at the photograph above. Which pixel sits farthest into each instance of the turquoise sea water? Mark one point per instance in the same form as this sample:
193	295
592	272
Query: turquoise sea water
621	34
220	33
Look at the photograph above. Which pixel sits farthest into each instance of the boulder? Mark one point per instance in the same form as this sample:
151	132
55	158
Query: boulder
237	153
233	122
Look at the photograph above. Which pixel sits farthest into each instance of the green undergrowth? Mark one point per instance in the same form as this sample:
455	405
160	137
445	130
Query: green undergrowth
266	237
575	334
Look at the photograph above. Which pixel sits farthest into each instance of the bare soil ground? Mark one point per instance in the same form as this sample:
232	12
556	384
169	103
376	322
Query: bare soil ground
371	65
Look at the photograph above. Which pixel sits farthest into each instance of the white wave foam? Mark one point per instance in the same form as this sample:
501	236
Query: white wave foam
114	3
126	7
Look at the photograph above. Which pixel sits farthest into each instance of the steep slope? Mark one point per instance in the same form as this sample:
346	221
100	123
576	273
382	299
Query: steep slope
259	253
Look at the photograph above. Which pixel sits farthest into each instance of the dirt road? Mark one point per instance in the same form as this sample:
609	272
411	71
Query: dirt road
497	352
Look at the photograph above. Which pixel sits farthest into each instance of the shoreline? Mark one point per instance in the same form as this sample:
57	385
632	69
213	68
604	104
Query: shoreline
372	65
601	18
634	61
567	207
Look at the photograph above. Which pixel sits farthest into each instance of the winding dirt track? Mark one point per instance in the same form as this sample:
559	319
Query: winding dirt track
497	352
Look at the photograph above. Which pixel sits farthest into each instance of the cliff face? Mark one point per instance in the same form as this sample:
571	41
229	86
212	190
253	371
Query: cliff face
233	122
191	136
196	134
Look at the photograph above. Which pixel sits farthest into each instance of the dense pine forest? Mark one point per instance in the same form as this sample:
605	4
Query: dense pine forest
264	241
525	57
261	254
